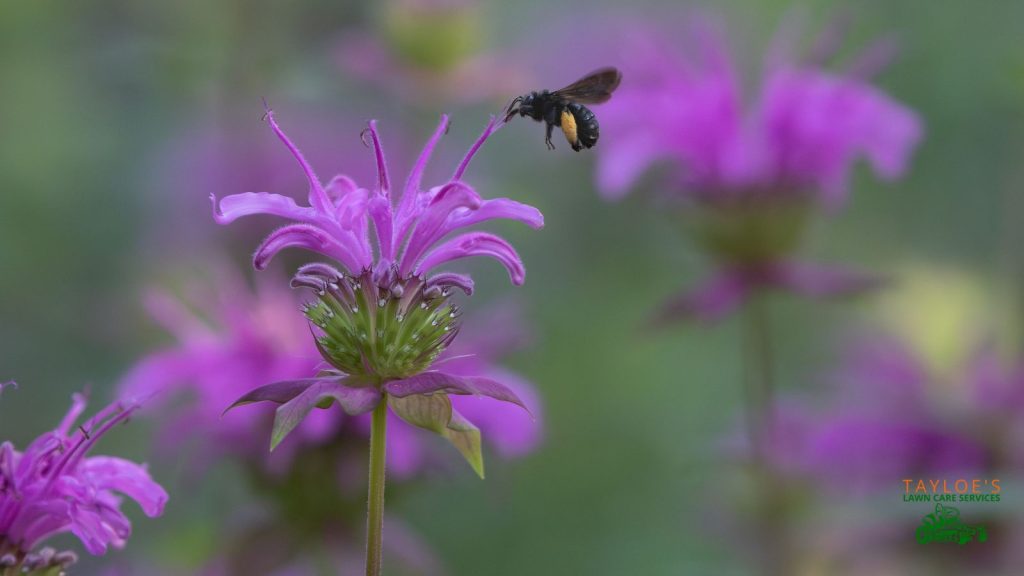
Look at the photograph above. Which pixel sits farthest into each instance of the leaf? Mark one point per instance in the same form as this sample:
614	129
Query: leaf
466	439
434	412
434	381
431	412
353	401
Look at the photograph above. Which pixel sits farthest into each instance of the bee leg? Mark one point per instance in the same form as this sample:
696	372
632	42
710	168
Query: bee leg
547	138
513	108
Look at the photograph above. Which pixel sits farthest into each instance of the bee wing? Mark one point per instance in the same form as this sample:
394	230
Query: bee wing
594	88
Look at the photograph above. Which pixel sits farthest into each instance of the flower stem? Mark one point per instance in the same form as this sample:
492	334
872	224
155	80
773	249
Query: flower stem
375	502
759	378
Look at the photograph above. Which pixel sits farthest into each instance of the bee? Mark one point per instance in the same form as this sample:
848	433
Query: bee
565	108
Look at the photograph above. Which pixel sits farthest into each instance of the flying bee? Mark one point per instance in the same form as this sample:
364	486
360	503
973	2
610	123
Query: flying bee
565	108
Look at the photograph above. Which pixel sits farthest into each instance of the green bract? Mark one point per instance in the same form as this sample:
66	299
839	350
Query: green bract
382	330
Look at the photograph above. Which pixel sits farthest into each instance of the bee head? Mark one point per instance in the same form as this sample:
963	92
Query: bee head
526	106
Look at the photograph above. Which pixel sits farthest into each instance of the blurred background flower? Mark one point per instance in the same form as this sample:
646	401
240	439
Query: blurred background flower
890	410
748	171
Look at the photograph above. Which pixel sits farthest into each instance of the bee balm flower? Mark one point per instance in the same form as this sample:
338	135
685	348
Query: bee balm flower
54	488
383	317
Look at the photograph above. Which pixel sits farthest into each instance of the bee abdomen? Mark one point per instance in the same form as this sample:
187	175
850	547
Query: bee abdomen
587	129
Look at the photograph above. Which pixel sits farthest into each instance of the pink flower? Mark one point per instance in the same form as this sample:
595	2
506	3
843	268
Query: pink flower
53	487
382	320
229	339
883	423
748	169
799	132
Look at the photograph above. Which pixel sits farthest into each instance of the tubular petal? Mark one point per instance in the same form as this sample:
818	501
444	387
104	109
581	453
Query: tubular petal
491	128
305	236
317	196
412	185
236	206
476	244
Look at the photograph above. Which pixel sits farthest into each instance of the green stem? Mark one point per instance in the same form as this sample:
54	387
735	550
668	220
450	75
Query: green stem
759	376
375	503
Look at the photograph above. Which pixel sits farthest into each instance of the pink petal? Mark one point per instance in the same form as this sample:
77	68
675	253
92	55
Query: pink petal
128	478
310	238
236	206
476	244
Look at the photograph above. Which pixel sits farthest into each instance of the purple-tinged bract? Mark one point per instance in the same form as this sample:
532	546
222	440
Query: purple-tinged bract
54	487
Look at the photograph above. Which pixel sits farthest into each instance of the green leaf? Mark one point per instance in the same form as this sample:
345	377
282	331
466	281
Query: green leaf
434	412
431	412
466	439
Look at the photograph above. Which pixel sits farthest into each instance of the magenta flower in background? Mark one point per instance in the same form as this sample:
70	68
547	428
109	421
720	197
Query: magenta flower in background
799	134
53	488
885	421
229	339
887	417
749	169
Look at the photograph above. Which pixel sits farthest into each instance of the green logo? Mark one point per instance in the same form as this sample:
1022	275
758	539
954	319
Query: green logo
944	525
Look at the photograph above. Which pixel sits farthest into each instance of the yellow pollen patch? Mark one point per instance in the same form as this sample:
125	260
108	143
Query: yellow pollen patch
569	126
